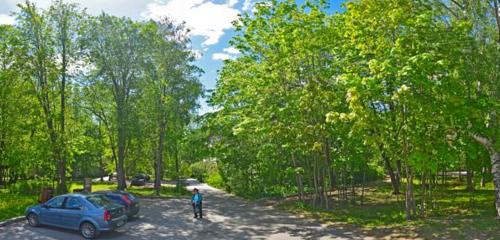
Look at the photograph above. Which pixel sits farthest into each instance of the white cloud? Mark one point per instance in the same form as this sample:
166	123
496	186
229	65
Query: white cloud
247	4
228	53
231	3
231	50
221	56
7	20
203	17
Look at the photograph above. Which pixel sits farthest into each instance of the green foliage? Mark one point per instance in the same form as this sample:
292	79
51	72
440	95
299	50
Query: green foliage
29	187
204	169
317	100
215	180
86	96
14	205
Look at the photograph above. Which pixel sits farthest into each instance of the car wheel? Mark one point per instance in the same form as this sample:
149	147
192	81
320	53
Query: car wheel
88	230
33	220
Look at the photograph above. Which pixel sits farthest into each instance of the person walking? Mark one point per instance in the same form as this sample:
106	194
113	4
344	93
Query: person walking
197	201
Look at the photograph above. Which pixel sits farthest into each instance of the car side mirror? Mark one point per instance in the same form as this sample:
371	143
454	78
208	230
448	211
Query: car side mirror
45	206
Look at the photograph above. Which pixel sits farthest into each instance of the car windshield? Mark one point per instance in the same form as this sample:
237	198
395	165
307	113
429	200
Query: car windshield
99	200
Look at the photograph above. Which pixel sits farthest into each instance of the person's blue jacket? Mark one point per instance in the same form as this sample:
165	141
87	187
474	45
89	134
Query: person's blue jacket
197	198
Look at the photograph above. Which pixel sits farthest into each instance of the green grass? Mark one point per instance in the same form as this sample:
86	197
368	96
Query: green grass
165	192
457	214
168	192
13	205
101	186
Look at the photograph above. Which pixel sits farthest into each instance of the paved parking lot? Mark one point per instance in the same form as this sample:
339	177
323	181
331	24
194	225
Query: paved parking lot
226	217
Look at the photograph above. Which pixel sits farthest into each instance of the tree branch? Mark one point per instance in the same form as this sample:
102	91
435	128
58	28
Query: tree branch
484	141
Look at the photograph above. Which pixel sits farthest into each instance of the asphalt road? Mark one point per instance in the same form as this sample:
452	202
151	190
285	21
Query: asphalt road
226	217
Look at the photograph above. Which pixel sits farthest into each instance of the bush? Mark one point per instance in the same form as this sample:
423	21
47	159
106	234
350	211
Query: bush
29	187
202	170
215	180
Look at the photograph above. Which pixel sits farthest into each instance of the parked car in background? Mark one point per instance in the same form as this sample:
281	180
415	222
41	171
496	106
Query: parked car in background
90	214
143	175
139	180
126	199
112	176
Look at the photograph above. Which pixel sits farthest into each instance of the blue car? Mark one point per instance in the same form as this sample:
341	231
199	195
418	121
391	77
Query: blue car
90	214
126	199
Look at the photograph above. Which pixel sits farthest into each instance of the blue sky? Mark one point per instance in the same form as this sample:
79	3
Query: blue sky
209	21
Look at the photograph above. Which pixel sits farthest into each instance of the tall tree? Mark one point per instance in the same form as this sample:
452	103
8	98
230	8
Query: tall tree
117	51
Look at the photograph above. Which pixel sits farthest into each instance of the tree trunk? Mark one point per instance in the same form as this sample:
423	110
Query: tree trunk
424	192
495	167
315	178
398	172
62	144
53	140
298	179
470	183
497	17
495	170
409	196
333	179
390	171
483	177
320	181
177	174
443	177
353	188
122	138
325	171
159	155
324	194
363	186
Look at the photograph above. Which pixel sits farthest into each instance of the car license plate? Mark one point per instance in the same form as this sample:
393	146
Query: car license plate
120	223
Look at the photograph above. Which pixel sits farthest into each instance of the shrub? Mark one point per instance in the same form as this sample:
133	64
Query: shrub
215	180
202	170
29	187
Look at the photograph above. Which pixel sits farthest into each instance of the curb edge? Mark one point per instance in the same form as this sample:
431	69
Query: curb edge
11	221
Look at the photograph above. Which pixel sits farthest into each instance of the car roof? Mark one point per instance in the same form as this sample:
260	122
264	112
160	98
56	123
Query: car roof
73	195
111	191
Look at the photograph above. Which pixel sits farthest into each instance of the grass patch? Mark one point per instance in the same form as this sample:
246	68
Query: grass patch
14	205
165	191
454	214
99	186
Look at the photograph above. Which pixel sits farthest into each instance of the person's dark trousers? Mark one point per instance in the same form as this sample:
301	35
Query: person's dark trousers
200	208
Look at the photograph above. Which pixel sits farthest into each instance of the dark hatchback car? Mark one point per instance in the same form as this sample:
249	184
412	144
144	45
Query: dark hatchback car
90	214
126	199
139	180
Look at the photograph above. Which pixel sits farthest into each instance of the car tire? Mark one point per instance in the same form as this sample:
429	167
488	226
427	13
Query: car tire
33	220
88	230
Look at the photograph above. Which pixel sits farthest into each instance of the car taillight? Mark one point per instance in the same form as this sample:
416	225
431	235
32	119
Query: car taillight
107	216
125	198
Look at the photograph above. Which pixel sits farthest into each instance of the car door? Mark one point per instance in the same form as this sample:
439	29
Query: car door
72	212
50	211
